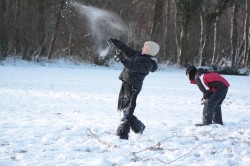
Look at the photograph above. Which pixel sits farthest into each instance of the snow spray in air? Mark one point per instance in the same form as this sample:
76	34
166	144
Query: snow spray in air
103	24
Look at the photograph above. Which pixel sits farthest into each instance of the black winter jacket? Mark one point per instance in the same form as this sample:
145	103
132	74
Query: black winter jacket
136	65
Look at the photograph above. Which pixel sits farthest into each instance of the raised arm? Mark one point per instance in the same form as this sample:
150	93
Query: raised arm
123	47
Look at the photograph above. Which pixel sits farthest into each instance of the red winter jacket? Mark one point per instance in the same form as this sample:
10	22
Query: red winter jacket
215	82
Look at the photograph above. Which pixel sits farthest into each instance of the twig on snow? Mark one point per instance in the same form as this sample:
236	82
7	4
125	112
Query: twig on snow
140	159
99	140
109	133
156	160
158	144
185	154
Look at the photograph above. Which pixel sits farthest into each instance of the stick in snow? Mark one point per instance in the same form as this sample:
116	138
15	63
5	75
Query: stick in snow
158	144
185	154
105	143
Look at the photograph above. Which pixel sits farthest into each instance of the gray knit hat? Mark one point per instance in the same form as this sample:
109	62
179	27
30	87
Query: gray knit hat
153	47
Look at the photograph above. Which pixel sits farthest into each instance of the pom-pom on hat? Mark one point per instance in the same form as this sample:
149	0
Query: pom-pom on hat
153	47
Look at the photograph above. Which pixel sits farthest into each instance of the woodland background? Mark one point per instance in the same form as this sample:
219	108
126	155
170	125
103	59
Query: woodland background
198	32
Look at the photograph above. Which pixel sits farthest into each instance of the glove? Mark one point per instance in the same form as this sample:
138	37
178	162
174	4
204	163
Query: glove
203	101
118	55
113	41
122	59
206	94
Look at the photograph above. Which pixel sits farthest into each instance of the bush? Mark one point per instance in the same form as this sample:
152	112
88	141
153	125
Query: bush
231	71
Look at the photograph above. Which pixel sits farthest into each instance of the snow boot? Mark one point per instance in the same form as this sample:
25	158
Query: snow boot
136	125
123	129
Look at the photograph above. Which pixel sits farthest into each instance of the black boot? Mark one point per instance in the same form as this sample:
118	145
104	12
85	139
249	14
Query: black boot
136	125
123	129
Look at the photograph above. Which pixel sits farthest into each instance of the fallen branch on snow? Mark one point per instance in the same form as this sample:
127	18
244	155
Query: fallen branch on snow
99	140
185	154
157	159
158	144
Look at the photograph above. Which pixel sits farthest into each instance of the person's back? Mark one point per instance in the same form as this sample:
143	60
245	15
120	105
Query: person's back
137	69
215	81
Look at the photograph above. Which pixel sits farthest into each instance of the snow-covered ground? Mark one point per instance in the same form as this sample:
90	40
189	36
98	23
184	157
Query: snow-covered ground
66	115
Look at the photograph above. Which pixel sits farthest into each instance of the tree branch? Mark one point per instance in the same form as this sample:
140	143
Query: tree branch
102	142
185	154
158	144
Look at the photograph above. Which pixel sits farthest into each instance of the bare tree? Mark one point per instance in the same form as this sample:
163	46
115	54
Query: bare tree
41	28
3	32
156	22
185	8
182	9
55	30
176	33
166	30
210	11
34	28
160	26
234	33
17	28
215	41
202	38
246	35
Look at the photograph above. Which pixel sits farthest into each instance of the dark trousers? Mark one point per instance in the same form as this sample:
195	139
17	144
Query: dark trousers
127	99
126	105
212	108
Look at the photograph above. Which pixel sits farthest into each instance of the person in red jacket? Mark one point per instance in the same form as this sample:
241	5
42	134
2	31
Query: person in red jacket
213	97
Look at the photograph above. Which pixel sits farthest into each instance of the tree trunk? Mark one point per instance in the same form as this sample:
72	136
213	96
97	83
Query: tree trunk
182	51
239	52
69	44
215	42
176	35
207	22
246	35
52	44
166	30
184	8
202	38
158	12
210	17
41	29
234	34
17	28
183	44
218	48
3	32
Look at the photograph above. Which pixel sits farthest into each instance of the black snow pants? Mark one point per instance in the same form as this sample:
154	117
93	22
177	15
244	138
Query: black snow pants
126	105
212	108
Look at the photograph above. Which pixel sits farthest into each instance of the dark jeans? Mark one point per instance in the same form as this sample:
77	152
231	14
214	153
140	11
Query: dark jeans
126	105
127	99
212	108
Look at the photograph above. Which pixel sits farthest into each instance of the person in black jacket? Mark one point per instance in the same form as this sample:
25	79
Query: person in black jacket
137	65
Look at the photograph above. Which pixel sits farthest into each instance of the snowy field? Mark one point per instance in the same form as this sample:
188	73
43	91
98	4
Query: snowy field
66	115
